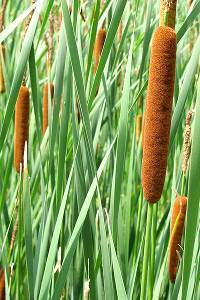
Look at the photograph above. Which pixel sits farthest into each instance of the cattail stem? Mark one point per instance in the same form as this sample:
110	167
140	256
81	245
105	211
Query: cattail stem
152	258
137	229
24	33
168	13
183	182
146	252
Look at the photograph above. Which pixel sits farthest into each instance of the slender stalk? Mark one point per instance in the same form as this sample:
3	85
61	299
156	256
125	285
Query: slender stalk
19	262
146	252
137	229
183	184
153	246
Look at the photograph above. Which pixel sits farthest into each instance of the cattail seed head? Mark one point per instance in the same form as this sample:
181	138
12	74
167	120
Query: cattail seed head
2	284
187	142
176	232
21	126
138	126
169	7
2	82
99	43
45	105
158	112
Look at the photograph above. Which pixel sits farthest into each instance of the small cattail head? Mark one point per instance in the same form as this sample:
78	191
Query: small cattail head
21	126
187	142
99	43
2	82
2	284
45	105
176	232
158	112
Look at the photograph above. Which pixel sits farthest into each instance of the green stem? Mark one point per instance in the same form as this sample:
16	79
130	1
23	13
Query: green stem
137	229
153	246
166	15
146	252
183	184
19	262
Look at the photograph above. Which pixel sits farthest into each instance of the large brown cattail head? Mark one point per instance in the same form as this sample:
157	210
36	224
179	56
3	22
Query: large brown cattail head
2	284
21	126
45	105
176	232
158	112
99	43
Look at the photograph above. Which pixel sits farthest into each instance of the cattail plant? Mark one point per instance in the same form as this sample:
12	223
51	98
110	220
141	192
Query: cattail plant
157	125
2	47
99	43
158	112
21	117
48	89
176	232
2	284
21	126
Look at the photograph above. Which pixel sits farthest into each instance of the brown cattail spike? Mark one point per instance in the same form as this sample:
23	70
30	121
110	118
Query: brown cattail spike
187	142
99	43
2	284
21	126
176	232
158	112
45	105
168	7
138	126
2	82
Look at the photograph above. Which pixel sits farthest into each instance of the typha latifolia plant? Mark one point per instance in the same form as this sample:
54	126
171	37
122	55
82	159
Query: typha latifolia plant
74	223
